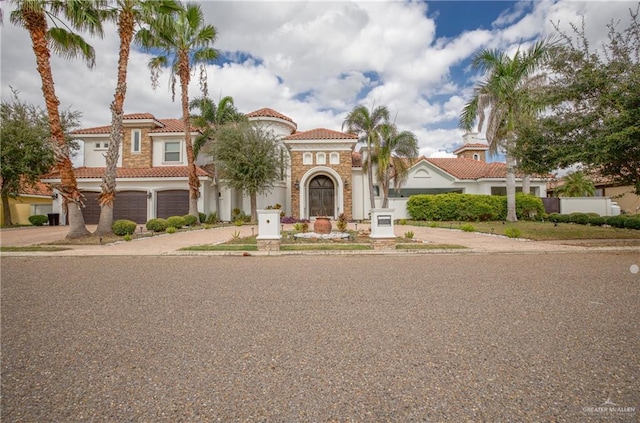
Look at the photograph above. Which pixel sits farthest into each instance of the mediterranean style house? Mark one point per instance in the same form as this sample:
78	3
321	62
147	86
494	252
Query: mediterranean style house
322	173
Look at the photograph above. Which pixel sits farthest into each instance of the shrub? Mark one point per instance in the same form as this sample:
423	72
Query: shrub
402	222
420	206
297	226
579	218
512	232
596	220
157	225
305	227
342	223
176	221
202	217
564	218
171	230
212	218
616	221
528	206
287	219
468	227
190	220
238	222
554	217
127	237
632	222
38	219
433	225
123	227
408	234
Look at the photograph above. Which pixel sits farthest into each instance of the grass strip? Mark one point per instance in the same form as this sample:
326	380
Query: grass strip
32	249
324	247
222	247
416	246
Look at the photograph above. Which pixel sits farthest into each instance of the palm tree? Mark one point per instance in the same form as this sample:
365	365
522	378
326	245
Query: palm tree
126	13
210	119
367	124
393	158
507	92
33	15
576	184
184	41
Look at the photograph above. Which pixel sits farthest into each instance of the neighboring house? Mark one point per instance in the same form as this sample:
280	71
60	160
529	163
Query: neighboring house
32	199
623	195
321	173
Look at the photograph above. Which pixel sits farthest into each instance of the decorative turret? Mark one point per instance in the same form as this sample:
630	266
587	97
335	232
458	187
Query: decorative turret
473	148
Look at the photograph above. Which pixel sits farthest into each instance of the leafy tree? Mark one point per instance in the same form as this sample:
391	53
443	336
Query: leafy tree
184	41
576	184
368	126
594	119
26	153
393	157
507	91
248	159
126	13
34	16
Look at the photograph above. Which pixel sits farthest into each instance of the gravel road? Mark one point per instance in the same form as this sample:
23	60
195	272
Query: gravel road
477	338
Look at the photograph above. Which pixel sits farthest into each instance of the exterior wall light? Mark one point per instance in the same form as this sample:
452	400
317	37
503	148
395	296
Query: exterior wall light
297	184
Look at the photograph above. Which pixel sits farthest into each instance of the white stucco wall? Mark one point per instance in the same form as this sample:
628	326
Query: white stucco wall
600	205
93	157
158	152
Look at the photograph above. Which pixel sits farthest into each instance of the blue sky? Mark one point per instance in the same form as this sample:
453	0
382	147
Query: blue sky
315	61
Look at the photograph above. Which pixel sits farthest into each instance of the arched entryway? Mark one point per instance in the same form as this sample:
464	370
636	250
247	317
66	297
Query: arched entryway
321	196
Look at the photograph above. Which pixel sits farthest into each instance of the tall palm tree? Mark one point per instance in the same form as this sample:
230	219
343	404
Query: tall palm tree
184	41
393	158
367	125
34	16
576	184
126	13
506	90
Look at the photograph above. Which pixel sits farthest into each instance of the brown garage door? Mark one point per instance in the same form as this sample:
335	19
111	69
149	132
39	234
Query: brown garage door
131	205
172	203
91	210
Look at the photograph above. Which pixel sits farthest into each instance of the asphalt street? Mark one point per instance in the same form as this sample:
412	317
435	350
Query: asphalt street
426	338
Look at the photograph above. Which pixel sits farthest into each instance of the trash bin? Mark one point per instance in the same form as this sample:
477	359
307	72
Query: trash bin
54	219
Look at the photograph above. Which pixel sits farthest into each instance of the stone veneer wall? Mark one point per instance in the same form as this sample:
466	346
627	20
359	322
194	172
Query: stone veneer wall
469	154
343	169
142	159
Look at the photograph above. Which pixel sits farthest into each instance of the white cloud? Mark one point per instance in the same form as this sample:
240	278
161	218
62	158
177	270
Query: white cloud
313	61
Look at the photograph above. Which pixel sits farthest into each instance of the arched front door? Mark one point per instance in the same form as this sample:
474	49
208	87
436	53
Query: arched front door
321	196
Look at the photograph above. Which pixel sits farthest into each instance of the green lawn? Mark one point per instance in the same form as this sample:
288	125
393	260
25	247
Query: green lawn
542	231
32	248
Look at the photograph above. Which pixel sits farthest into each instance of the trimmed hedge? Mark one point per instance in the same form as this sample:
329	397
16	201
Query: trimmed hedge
38	219
157	225
597	220
579	218
123	227
632	222
190	220
471	207
617	221
176	221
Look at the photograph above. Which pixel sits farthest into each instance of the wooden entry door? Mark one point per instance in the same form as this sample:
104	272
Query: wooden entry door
321	196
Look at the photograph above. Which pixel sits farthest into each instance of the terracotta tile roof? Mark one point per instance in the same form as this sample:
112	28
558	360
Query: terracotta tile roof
463	168
321	134
132	172
134	116
37	188
267	112
169	125
475	146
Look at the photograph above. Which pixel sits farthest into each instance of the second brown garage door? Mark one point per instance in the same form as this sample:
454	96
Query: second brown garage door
131	205
172	203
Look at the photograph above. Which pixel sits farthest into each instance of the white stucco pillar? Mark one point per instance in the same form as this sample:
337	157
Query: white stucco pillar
268	230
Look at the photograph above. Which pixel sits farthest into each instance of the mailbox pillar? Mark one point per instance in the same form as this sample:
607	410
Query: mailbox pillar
268	230
382	231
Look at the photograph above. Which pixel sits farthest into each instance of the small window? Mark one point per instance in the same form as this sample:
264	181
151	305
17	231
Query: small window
307	158
321	158
476	156
334	158
101	145
172	151
135	140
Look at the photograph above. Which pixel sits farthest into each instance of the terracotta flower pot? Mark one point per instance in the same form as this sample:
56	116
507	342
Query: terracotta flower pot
322	225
